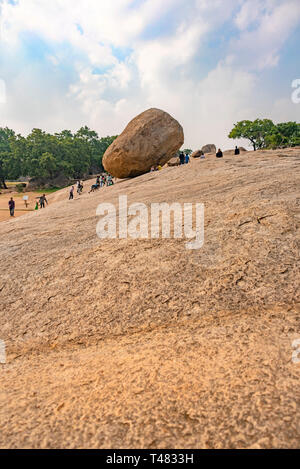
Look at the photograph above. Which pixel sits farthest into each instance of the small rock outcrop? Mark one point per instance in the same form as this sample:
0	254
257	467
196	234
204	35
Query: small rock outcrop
210	148
197	154
174	161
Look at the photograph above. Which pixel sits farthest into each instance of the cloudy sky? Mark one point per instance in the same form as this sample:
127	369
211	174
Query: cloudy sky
209	63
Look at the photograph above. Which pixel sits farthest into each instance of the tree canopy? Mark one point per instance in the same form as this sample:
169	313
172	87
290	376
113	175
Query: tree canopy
45	156
263	133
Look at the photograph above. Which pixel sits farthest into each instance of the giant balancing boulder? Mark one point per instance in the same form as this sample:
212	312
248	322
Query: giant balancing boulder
150	139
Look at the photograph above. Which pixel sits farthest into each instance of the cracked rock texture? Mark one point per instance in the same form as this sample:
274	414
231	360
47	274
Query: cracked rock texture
143	343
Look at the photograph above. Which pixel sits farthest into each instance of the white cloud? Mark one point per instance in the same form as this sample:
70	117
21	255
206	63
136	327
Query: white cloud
252	11
2	92
259	47
108	61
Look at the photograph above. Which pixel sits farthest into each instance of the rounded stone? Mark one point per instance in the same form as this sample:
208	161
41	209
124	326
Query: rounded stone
150	139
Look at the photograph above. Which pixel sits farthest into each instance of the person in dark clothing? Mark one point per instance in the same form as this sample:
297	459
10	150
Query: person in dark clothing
219	154
43	200
12	205
71	197
237	151
102	180
79	187
181	158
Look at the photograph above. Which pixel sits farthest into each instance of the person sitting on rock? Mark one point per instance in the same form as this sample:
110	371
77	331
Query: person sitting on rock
94	188
219	154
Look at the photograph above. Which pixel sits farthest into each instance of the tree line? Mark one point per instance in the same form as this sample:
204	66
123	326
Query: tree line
263	133
44	157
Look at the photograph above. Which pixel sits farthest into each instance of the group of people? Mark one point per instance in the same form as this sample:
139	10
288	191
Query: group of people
41	202
184	158
219	153
101	181
79	189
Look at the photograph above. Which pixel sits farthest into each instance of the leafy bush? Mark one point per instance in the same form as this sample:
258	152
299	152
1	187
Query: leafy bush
21	187
44	156
263	133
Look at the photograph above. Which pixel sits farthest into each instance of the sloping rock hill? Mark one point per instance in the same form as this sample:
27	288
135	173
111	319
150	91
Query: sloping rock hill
142	343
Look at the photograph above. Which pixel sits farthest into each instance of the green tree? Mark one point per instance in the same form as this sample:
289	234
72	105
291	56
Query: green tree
104	143
275	140
255	131
17	159
288	129
6	135
285	134
48	166
91	140
290	132
295	138
44	156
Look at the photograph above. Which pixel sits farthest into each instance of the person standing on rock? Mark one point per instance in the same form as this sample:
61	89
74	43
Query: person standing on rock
181	158
219	154
71	197
237	151
109	180
43	200
187	158
79	187
12	205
